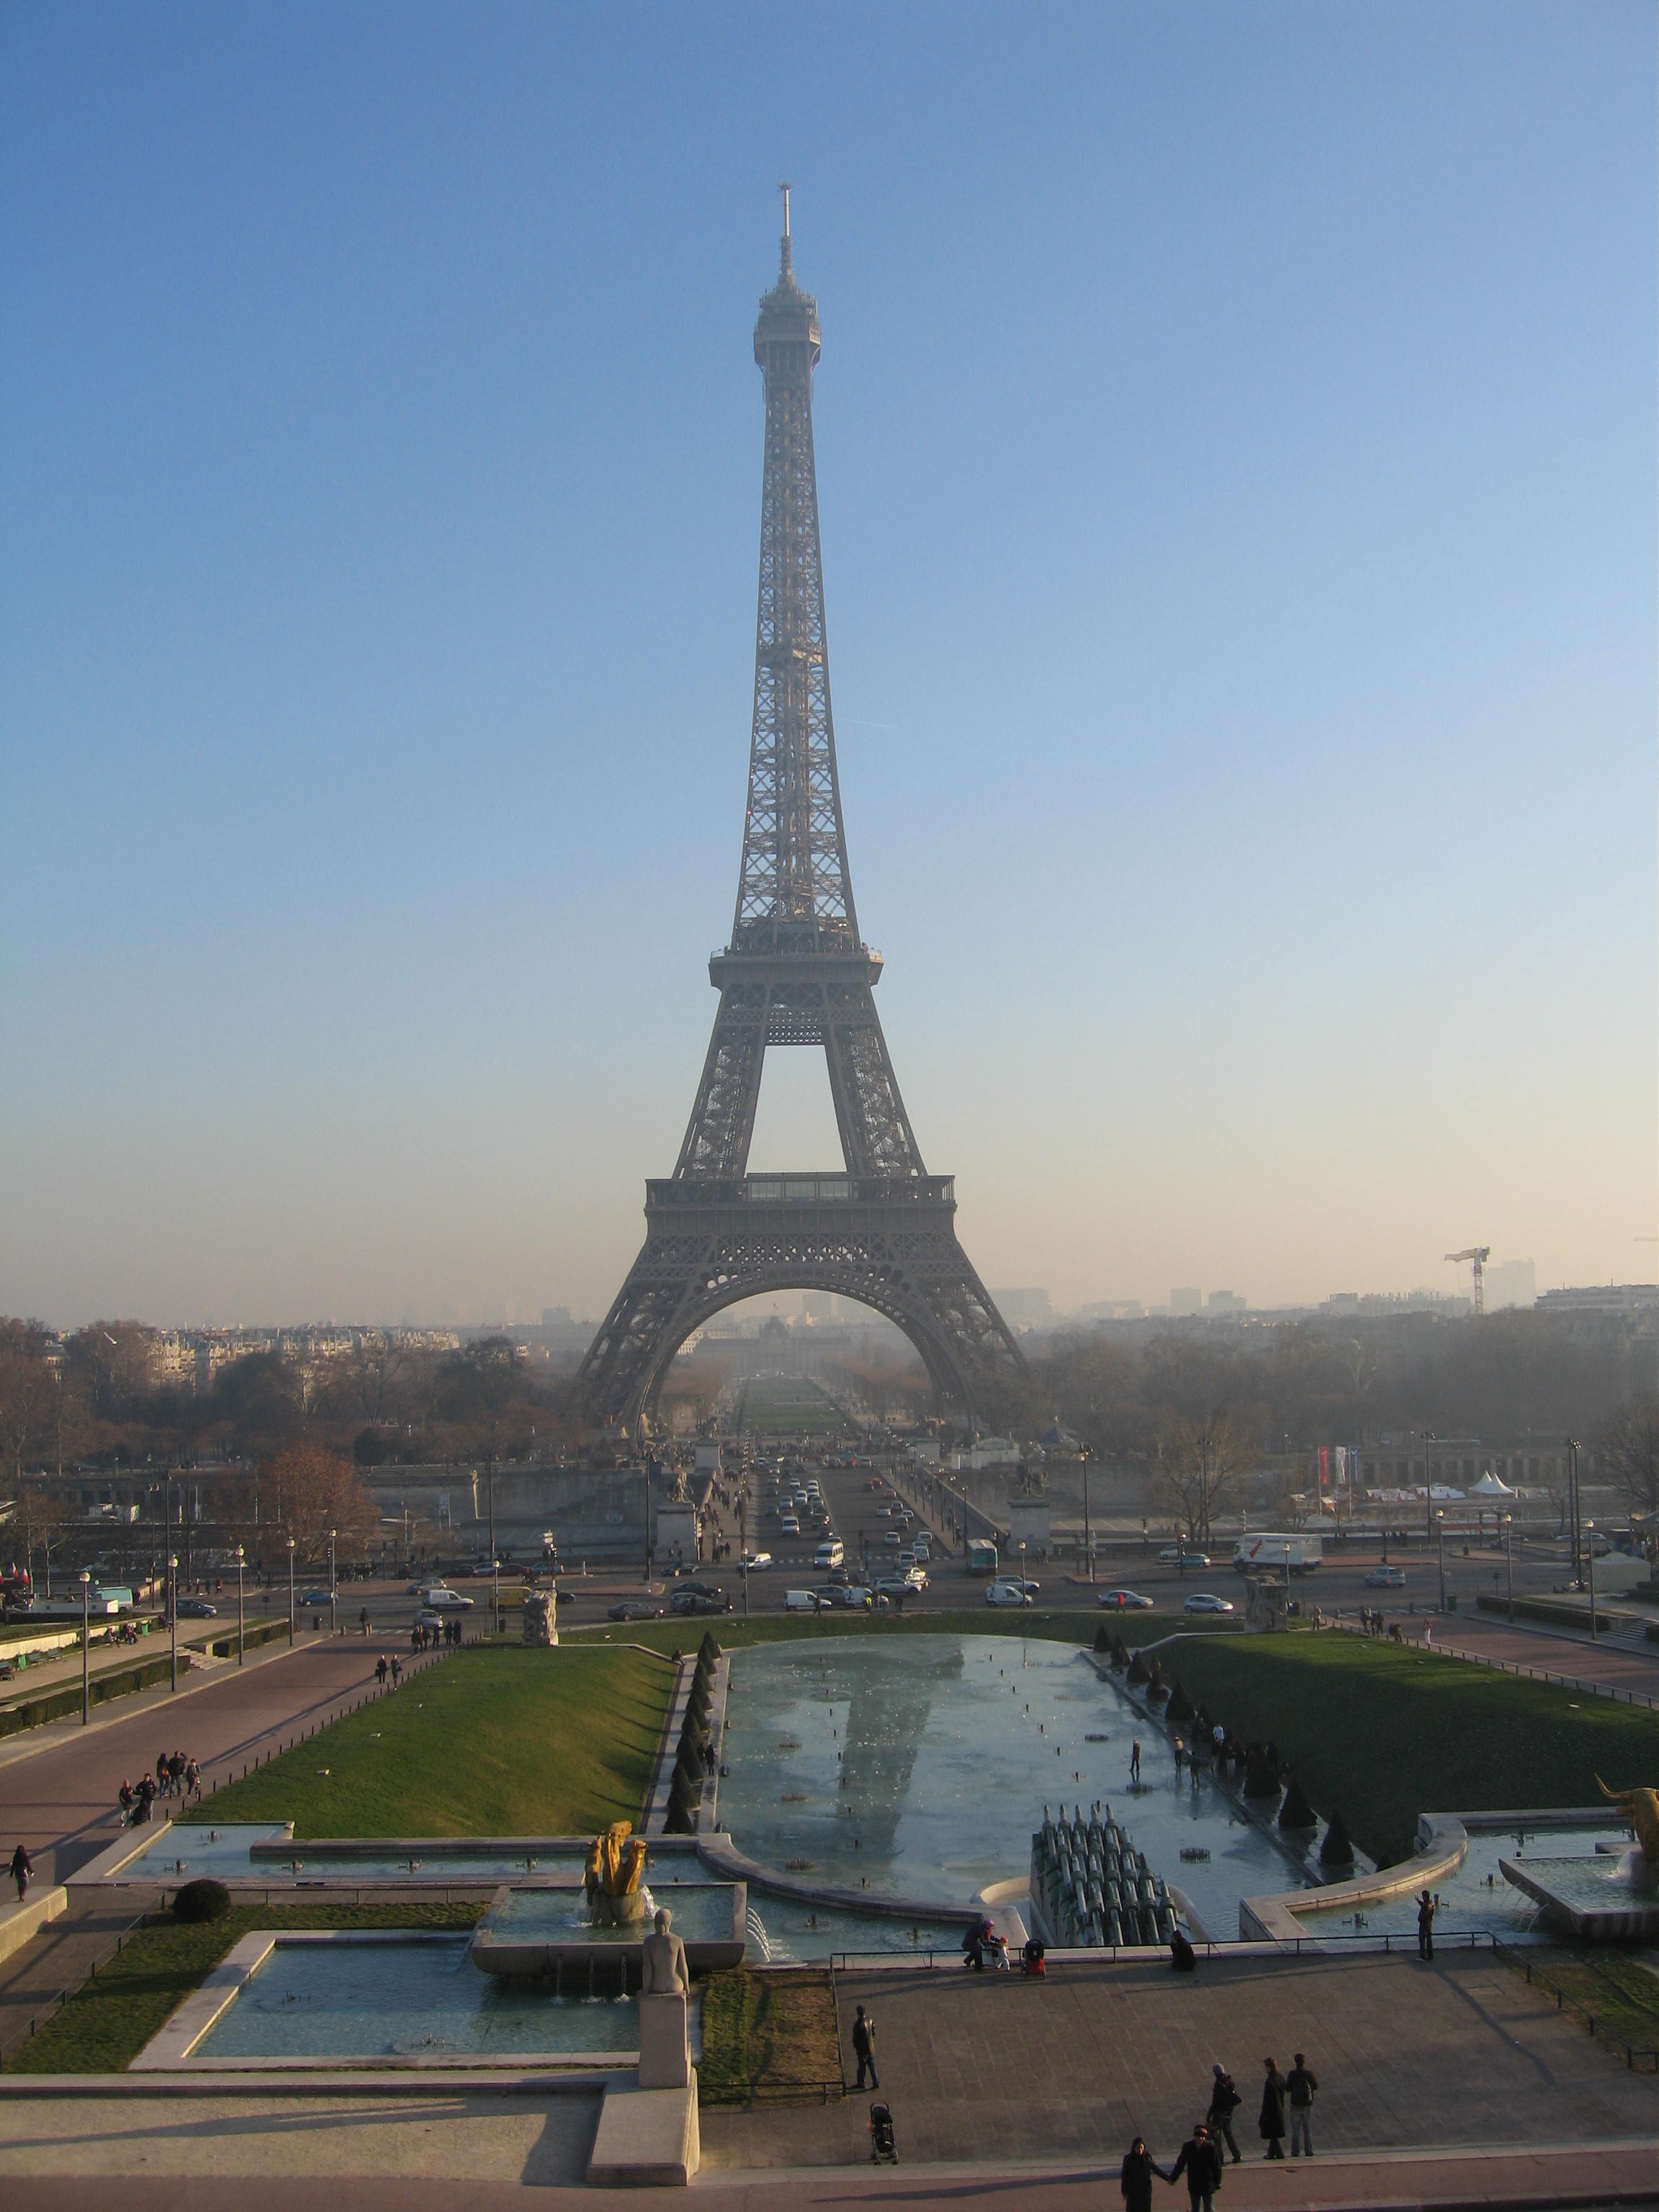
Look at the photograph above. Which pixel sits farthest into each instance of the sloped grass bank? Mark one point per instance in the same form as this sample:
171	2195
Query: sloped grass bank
767	2035
492	1740
1383	1732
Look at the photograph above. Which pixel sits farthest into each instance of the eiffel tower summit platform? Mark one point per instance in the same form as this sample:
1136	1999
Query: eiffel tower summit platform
796	972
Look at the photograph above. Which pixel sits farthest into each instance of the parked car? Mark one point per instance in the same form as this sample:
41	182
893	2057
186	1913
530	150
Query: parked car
198	1608
635	1608
1125	1600
1386	1578
691	1600
1206	1601
1007	1592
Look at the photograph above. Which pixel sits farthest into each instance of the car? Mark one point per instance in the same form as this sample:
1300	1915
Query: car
690	1601
915	1578
488	1567
198	1608
427	1619
1173	1555
314	1597
440	1600
1125	1600
756	1562
1386	1578
806	1601
1206	1601
787	1525
635	1608
1002	1592
892	1538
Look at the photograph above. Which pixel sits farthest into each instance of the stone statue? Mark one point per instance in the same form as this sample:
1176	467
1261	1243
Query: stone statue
614	1876
1641	1808
666	1973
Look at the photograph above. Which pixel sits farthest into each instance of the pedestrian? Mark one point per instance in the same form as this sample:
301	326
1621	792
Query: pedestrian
1302	2087
397	1671
1134	1760
1136	2179
1225	2101
1271	2122
1200	2161
22	1866
363	1622
380	1670
1425	1926
864	2044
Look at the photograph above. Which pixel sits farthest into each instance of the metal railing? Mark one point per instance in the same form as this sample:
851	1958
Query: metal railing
1637	2059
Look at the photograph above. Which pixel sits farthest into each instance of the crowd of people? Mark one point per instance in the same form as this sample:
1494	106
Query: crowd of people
176	1775
1286	2098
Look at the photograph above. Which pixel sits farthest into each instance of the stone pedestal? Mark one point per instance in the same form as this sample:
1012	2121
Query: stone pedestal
664	2060
538	1621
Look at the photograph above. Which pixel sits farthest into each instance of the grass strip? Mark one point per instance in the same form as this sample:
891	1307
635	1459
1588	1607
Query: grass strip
1621	1995
496	1740
733	1632
767	2034
1383	1732
110	2018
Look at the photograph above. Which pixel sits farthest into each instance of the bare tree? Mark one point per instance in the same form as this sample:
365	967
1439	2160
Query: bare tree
1199	1460
25	1391
1629	1444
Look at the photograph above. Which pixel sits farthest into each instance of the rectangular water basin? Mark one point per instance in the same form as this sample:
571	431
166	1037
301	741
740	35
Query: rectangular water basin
1612	1898
1476	1896
541	1932
404	2001
265	1853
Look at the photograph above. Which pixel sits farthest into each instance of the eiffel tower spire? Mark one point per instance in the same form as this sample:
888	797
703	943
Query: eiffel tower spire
796	972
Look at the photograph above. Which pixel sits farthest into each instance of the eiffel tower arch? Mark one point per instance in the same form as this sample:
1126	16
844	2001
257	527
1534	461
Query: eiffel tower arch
797	973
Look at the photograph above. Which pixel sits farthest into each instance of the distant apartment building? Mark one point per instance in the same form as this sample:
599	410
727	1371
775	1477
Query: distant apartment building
1190	1301
1511	1283
1223	1303
1025	1309
1602	1297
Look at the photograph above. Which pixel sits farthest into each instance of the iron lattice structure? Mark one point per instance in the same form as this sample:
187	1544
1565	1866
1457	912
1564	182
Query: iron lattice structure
797	972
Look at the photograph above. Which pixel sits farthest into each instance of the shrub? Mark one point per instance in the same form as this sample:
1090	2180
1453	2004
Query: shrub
709	1648
1296	1812
202	1899
1181	1705
1336	1849
1259	1778
1138	1670
1103	1638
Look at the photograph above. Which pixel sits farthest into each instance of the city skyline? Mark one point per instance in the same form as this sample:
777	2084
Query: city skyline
1239	548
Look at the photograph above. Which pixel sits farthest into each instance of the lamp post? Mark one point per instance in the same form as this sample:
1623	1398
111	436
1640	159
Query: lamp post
241	1645
1590	1557
494	1563
1088	1536
86	1647
1509	1557
172	1577
333	1591
1440	1540
1572	1499
742	1538
290	1589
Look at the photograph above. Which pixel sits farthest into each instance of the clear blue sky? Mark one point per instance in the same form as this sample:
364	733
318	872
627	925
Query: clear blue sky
1236	438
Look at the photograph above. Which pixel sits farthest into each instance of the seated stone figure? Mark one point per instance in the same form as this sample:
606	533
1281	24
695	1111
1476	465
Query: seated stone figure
666	1973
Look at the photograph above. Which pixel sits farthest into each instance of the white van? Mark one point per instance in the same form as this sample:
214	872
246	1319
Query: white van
830	1554
437	1597
803	1601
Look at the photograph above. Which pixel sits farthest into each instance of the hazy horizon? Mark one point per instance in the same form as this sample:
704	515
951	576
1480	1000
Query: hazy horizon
1236	456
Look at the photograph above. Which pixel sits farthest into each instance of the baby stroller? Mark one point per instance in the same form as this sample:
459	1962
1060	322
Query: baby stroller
884	2151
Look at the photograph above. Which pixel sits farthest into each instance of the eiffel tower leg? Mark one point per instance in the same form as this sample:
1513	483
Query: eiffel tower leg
723	1119
876	1134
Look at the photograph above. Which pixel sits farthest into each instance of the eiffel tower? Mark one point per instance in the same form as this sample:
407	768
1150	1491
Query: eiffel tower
796	972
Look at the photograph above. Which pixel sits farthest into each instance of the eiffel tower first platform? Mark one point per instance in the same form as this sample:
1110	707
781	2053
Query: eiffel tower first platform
882	1230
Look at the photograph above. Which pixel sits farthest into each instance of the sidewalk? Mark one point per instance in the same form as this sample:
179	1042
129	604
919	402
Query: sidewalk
1599	1669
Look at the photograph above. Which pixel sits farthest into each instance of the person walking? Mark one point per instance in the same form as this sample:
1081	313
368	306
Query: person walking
1425	1926
1225	2101
1271	2123
1134	1760
864	2044
1303	2087
1135	2179
22	1866
1200	2161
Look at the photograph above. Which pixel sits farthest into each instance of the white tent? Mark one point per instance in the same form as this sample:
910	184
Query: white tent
1489	1486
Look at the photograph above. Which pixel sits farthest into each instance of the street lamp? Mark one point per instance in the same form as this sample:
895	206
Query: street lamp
1572	1496
172	1577
86	1647
290	1589
494	1563
332	1590
1088	1538
1440	1538
1509	1559
743	1536
241	1645
1589	1556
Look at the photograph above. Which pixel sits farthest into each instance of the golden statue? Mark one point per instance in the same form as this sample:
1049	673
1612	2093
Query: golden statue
614	1877
1641	1808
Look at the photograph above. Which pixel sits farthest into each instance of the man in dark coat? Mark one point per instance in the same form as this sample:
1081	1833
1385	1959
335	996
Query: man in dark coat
1225	2101
1136	2179
1273	2090
1200	2161
1302	2087
1425	1926
863	2046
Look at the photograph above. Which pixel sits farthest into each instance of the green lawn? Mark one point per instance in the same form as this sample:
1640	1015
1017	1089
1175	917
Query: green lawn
111	2018
494	1741
1384	1732
767	2033
778	1405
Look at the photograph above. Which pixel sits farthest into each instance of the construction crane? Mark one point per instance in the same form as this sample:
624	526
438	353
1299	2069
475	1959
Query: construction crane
1479	1254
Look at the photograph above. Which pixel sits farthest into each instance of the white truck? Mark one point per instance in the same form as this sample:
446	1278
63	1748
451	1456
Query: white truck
1283	1555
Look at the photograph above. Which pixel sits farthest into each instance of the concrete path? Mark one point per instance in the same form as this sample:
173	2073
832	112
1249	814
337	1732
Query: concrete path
1553	1653
993	2066
59	1796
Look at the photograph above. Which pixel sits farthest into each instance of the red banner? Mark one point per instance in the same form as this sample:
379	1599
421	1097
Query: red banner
1324	1467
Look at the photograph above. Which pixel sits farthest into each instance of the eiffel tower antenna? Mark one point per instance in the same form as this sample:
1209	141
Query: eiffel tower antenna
796	972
